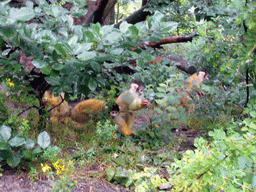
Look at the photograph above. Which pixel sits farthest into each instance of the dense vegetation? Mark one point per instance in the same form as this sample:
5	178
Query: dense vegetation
82	62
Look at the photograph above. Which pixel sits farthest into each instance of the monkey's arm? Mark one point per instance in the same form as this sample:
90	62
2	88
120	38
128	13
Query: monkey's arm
139	105
127	102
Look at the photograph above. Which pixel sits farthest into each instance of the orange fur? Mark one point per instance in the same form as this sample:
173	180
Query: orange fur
81	112
51	101
194	80
128	102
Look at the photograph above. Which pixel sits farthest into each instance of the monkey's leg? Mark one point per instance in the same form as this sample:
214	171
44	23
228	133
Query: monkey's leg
130	123
121	120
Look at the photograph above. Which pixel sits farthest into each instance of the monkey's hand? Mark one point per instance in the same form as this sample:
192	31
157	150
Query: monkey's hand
145	103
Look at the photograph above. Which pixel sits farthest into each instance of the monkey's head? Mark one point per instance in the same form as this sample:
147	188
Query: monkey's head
137	86
203	74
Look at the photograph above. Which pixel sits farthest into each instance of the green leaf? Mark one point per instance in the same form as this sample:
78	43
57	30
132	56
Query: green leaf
8	31
5	154
79	13
44	140
22	14
17	141
1	41
241	162
79	48
253	114
124	26
39	63
121	175
60	49
87	55
14	160
154	39
73	40
53	81
4	146
46	70
134	31
58	11
95	66
90	35
110	173
113	37
55	55
5	132
37	150
92	84
58	66
117	51
169	26
158	16
1	139
254	181
29	144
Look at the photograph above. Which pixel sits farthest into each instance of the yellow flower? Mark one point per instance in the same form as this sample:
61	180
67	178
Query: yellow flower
8	80
45	167
11	84
70	163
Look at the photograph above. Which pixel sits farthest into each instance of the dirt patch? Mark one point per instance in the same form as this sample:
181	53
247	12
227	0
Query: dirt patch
20	182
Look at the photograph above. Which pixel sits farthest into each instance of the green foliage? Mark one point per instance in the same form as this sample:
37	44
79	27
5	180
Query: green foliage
70	55
85	157
15	149
3	108
1	170
227	163
24	129
50	153
146	180
105	132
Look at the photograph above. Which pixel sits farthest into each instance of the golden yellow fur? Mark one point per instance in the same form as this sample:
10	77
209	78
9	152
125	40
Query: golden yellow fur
51	101
128	102
194	80
81	112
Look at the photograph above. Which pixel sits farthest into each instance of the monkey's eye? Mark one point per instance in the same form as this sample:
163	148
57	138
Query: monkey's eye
140	91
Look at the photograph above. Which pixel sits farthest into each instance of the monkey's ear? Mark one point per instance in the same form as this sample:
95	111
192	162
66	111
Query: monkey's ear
134	86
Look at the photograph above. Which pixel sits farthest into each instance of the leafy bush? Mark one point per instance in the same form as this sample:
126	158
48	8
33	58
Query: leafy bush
3	108
227	163
15	149
105	132
146	180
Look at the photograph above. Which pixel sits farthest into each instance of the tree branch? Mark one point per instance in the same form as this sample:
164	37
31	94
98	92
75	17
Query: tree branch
166	40
137	16
98	13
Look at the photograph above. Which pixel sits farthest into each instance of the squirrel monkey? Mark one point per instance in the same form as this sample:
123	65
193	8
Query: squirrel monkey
80	113
128	102
194	80
61	108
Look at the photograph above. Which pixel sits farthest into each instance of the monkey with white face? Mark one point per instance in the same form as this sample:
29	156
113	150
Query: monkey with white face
128	102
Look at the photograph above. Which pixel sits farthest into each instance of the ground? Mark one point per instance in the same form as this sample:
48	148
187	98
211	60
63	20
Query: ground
19	182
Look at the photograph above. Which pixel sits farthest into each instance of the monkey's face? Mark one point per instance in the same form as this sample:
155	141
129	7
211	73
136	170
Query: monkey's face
135	88
203	76
45	101
139	91
113	114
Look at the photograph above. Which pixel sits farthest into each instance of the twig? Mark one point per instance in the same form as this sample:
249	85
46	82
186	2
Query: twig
28	109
